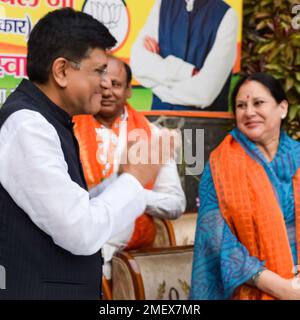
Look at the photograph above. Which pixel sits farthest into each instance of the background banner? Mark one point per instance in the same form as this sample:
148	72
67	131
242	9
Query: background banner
123	18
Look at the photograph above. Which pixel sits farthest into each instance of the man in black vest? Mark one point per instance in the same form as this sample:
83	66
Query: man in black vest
51	231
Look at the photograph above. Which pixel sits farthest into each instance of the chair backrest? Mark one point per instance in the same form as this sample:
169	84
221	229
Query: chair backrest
162	236
178	232
182	230
152	274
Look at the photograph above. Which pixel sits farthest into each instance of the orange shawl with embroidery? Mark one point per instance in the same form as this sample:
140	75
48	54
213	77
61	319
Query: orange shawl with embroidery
248	203
85	131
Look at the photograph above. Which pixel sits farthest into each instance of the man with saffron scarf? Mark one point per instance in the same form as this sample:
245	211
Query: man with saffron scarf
248	235
102	138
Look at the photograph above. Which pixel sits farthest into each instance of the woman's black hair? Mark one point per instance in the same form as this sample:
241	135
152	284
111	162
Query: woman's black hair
269	82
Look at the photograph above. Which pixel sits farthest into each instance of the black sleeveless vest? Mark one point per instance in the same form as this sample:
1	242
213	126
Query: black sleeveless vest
36	268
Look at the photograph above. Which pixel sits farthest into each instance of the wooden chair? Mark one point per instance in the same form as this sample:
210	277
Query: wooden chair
169	233
178	232
106	289
162	237
181	231
152	274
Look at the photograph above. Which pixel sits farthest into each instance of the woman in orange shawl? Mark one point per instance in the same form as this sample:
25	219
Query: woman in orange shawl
248	229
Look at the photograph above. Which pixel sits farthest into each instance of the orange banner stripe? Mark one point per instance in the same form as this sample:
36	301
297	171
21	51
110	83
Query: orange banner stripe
194	114
13	49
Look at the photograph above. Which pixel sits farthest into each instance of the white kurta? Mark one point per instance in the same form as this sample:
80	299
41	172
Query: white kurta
166	199
35	174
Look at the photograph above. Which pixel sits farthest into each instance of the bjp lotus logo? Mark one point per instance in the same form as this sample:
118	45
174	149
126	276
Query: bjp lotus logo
113	14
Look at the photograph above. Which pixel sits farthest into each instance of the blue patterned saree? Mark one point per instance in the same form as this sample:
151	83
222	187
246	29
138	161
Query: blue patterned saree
221	262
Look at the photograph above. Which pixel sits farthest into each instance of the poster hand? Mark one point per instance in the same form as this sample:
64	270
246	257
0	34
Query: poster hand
151	45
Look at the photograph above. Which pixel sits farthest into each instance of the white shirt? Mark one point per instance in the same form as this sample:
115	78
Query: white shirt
171	78
166	200
34	173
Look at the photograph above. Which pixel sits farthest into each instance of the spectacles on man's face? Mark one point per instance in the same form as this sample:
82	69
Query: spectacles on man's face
99	72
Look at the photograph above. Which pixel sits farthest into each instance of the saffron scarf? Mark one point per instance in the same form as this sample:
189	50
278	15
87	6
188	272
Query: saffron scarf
98	166
249	204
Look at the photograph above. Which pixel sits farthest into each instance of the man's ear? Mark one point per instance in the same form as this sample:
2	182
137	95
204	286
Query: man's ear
129	91
60	68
